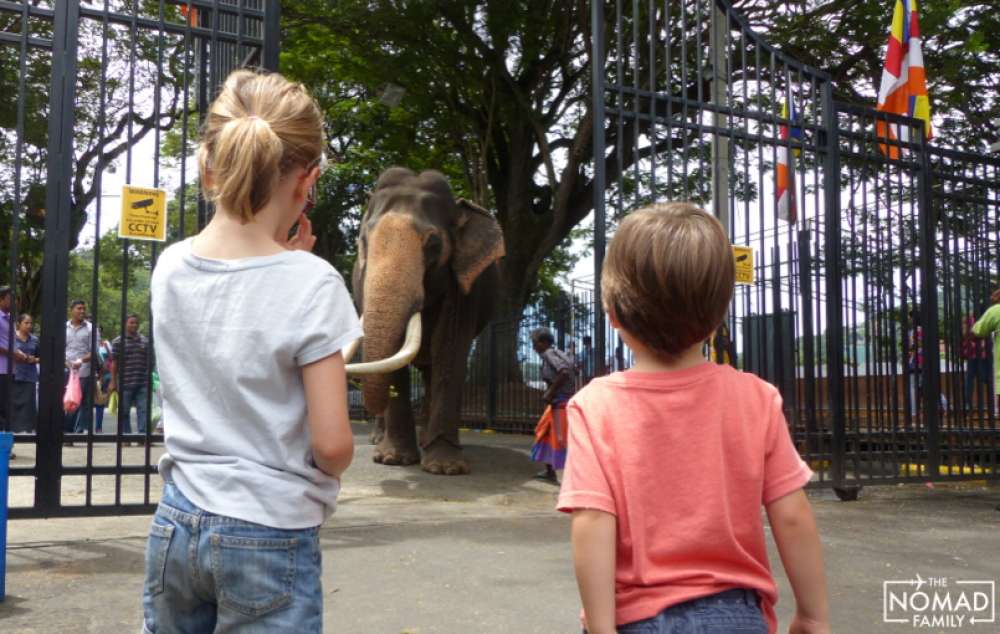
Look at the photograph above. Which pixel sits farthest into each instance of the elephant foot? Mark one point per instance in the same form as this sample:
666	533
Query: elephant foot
378	431
387	452
443	458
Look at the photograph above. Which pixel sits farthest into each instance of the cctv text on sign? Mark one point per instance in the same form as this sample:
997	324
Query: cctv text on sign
144	214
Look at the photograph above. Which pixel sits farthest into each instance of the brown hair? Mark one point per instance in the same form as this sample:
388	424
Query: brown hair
259	128
669	275
995	296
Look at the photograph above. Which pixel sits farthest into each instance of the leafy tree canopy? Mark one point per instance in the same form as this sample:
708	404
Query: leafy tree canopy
496	95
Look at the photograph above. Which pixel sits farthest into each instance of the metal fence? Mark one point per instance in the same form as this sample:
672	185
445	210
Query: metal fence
861	288
856	308
97	94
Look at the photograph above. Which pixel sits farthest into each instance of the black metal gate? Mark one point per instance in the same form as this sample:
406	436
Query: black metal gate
861	285
97	94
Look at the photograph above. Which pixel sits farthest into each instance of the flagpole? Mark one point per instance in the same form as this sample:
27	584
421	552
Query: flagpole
720	143
720	153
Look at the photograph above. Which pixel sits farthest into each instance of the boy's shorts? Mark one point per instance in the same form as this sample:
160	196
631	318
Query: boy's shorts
730	612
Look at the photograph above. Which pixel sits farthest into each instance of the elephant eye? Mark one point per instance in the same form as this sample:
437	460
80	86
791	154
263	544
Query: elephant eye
432	244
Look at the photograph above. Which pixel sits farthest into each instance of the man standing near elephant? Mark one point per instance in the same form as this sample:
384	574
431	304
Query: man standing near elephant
550	433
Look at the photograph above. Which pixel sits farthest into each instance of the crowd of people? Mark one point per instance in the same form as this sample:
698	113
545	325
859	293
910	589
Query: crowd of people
121	367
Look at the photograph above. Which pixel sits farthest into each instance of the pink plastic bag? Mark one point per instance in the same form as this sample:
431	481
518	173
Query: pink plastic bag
74	395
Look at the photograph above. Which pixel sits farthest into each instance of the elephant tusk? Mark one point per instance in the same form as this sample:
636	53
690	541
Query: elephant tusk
352	348
411	345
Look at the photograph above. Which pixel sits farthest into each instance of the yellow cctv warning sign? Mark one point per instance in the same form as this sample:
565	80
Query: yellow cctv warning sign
744	264
144	214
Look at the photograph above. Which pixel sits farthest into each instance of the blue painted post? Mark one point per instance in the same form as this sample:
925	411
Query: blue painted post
6	442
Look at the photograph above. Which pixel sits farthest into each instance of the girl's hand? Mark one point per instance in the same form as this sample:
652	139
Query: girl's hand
303	238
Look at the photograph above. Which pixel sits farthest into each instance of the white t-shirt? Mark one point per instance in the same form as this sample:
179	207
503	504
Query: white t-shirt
231	337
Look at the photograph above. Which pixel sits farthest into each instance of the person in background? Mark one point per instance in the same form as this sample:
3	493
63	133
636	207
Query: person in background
587	361
79	332
102	385
25	410
915	363
550	433
987	327
9	357
571	353
976	353
671	461
130	375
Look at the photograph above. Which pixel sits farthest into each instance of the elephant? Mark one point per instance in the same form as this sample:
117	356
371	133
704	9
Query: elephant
427	268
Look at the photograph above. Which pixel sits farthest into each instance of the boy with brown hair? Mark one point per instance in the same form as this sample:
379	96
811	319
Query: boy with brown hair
670	462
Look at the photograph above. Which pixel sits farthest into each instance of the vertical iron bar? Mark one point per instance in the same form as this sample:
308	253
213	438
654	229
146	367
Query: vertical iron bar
491	379
834	354
597	78
17	210
805	271
55	270
929	307
272	35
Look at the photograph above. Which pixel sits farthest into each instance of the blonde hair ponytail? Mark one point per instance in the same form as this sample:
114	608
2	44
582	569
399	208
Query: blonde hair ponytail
259	128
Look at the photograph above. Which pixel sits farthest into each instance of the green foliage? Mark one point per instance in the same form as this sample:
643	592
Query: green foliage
491	91
110	268
119	81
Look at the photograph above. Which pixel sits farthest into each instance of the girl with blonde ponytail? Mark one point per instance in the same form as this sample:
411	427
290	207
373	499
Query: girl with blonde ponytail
249	331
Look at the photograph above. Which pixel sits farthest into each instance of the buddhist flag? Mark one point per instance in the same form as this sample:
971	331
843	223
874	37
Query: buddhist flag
191	13
784	169
904	84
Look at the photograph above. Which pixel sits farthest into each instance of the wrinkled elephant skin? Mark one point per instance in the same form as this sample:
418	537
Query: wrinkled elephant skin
420	250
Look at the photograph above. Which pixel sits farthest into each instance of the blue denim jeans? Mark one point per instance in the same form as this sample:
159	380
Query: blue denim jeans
134	395
208	573
729	612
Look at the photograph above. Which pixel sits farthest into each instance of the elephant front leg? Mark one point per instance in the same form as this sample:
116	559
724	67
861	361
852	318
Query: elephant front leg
440	444
398	444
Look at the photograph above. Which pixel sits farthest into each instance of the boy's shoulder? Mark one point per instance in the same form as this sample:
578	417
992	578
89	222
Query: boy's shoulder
737	386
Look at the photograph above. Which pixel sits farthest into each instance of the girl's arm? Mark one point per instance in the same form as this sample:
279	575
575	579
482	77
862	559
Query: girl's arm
329	426
593	539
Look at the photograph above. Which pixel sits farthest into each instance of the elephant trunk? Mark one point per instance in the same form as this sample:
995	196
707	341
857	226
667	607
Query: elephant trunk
393	293
383	336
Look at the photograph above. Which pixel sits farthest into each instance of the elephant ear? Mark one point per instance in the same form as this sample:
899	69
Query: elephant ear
478	243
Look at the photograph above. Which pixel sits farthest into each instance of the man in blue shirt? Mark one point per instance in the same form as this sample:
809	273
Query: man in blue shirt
8	357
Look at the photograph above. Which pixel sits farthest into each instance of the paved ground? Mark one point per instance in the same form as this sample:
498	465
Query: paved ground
412	553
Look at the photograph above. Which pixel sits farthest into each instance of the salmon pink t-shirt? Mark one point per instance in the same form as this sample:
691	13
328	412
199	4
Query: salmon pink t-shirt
683	460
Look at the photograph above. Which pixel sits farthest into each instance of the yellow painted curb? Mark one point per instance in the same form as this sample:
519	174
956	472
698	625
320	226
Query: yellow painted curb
945	470
489	431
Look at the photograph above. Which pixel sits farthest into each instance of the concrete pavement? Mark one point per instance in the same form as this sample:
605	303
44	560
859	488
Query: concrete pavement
421	554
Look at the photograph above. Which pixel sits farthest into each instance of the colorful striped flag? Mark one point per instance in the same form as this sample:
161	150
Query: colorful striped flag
784	169
904	83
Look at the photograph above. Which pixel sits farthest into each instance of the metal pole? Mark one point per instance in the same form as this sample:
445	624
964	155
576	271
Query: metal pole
272	35
720	98
55	268
929	309
597	69
834	291
809	344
